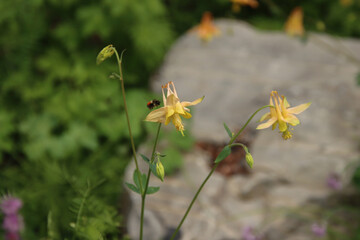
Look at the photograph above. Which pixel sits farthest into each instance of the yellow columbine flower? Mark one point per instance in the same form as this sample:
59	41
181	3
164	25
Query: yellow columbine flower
237	4
206	29
173	109
281	114
294	24
346	3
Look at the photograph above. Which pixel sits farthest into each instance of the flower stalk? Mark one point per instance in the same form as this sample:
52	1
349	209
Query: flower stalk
143	195
121	78
212	171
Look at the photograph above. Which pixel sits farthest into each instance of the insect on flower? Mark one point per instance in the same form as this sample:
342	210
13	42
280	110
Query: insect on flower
173	109
153	103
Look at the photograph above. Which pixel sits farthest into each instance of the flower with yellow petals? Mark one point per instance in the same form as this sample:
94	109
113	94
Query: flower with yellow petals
237	4
173	109
281	114
206	29
294	24
346	3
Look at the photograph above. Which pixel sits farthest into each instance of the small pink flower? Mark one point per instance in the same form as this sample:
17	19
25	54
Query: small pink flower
10	205
248	234
13	223
334	182
318	230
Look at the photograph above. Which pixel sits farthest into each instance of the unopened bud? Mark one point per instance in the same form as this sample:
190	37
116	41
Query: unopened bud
105	53
249	159
160	170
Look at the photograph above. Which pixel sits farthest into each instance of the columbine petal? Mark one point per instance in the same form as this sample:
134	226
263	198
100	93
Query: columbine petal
179	108
267	124
285	102
298	109
294	25
170	112
197	101
157	115
264	117
291	119
282	126
187	115
171	100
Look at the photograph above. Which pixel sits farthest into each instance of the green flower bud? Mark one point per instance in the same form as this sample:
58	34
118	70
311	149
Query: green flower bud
249	159
105	53
160	170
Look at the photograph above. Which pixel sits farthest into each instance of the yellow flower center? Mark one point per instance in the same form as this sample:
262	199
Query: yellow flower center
286	135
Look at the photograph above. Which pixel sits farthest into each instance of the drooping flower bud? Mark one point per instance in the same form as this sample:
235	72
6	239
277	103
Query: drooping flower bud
249	159
105	53
160	170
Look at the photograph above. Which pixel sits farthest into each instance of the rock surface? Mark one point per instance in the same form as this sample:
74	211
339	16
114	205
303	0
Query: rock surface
236	72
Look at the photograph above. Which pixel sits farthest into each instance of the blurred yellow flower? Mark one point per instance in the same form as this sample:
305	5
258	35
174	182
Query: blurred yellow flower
206	29
173	109
346	3
281	114
236	4
294	24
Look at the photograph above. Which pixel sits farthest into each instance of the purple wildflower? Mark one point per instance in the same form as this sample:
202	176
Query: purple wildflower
13	223
10	205
333	181
248	234
318	230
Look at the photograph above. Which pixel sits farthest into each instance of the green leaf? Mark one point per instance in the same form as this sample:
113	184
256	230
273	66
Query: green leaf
145	158
152	190
153	170
136	177
357	78
223	154
152	165
228	130
133	188
143	179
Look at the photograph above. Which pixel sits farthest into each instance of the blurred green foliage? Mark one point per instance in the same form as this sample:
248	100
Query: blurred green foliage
62	124
339	19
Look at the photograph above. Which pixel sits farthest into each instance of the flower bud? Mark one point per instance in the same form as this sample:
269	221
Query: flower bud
105	53
160	170
249	159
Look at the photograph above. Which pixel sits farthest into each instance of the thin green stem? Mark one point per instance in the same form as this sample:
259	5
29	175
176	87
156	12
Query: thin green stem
143	196
193	201
119	60
248	121
86	194
335	49
211	172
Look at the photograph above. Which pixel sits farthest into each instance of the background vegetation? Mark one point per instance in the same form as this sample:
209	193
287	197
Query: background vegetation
63	135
